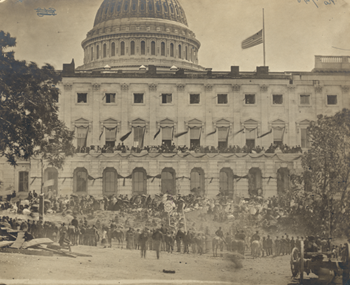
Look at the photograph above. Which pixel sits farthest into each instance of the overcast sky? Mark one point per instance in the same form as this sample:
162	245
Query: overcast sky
296	30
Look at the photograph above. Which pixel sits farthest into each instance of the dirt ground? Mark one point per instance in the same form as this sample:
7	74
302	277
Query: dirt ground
121	266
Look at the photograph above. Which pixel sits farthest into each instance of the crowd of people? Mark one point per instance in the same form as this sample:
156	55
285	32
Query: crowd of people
166	148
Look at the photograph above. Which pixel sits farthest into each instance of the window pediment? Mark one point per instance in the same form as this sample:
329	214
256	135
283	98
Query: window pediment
81	122
166	123
138	123
195	123
223	123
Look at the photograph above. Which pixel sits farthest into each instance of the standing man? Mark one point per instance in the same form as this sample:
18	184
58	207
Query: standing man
287	245
264	247
158	239
283	244
297	244
129	239
143	238
277	246
292	244
136	239
269	245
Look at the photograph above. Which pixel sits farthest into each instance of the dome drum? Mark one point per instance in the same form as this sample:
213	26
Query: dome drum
131	33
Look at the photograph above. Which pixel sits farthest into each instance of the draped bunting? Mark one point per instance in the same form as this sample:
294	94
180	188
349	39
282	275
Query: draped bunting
212	133
270	177
123	138
269	132
159	176
242	130
181	134
157	133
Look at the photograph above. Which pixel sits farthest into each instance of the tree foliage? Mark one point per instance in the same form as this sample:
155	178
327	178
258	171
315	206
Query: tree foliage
29	124
326	169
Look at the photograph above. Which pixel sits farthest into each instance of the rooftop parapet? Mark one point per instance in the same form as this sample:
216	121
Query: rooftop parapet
332	63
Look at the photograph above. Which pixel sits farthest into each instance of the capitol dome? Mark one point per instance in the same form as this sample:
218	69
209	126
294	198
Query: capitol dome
131	33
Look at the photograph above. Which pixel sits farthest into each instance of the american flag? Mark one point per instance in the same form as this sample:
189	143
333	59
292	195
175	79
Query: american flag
253	40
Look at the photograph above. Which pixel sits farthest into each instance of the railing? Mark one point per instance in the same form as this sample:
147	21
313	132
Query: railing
332	62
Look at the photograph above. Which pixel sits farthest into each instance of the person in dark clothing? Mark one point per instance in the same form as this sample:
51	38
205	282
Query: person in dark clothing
157	240
75	222
143	238
220	233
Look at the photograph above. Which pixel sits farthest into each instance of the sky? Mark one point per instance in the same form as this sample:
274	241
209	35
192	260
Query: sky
295	31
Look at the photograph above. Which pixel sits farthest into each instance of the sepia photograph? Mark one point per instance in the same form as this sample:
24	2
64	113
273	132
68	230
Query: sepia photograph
175	142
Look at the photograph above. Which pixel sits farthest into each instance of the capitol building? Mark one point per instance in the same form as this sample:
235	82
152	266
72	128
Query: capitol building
149	119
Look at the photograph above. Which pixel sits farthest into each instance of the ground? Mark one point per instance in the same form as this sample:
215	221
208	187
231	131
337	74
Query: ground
121	266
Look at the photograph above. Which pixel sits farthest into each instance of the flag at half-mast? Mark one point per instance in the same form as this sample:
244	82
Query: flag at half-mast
253	40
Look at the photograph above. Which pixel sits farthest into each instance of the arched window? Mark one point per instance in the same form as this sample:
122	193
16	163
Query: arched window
143	48
51	175
197	185
104	50
162	49
80	180
153	48
132	48
186	55
180	55
23	181
254	182
110	181
113	49
226	182
97	52
172	50
168	184
282	181
92	53
139	181
122	48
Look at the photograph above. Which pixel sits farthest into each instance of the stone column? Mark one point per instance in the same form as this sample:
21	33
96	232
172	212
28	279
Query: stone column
292	104
237	106
95	108
208	118
264	102
124	110
181	109
153	104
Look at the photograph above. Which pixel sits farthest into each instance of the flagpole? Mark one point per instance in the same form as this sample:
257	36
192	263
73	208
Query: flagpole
264	36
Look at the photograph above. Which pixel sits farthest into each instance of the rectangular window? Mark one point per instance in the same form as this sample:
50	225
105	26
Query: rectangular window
82	98
250	135
23	181
138	136
138	98
110	97
110	137
305	138
222	98
167	98
278	136
81	136
222	137
250	99
304	99
331	99
277	99
167	136
195	137
194	98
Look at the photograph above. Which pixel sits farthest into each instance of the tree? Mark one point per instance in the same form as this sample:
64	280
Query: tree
29	124
326	171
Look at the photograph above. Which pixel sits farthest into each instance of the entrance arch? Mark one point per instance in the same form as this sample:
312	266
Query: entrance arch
168	184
